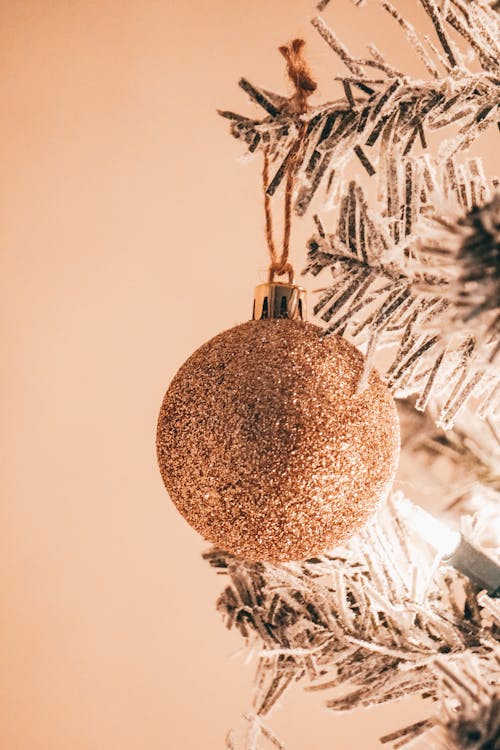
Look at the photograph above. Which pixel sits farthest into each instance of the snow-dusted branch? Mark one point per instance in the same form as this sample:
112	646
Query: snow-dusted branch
422	278
369	623
384	112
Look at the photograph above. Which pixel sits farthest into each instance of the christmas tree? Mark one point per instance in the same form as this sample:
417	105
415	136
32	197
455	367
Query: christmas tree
408	262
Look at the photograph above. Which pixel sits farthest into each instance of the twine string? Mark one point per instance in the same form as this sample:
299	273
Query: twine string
304	85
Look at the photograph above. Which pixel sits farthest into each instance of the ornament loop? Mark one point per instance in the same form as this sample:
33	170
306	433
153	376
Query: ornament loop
278	269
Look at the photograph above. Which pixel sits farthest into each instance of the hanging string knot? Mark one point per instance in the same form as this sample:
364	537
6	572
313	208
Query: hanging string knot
299	74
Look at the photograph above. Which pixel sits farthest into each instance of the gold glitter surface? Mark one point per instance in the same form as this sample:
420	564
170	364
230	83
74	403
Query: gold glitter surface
265	447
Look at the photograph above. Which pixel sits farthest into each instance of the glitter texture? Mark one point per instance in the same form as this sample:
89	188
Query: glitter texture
266	448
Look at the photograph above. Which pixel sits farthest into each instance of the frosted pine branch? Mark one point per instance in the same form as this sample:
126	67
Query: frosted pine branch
368	623
468	717
384	112
423	277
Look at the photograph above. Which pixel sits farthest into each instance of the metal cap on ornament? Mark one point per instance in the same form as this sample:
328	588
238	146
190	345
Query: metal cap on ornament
279	300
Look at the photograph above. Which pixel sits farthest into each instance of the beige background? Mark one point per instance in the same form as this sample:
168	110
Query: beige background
130	234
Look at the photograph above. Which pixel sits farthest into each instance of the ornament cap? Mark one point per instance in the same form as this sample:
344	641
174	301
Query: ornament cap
279	300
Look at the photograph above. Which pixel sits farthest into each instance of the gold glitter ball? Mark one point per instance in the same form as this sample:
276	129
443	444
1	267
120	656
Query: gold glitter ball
265	446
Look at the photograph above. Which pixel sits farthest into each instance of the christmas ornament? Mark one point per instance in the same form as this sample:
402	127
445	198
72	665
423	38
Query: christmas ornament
274	441
265	443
